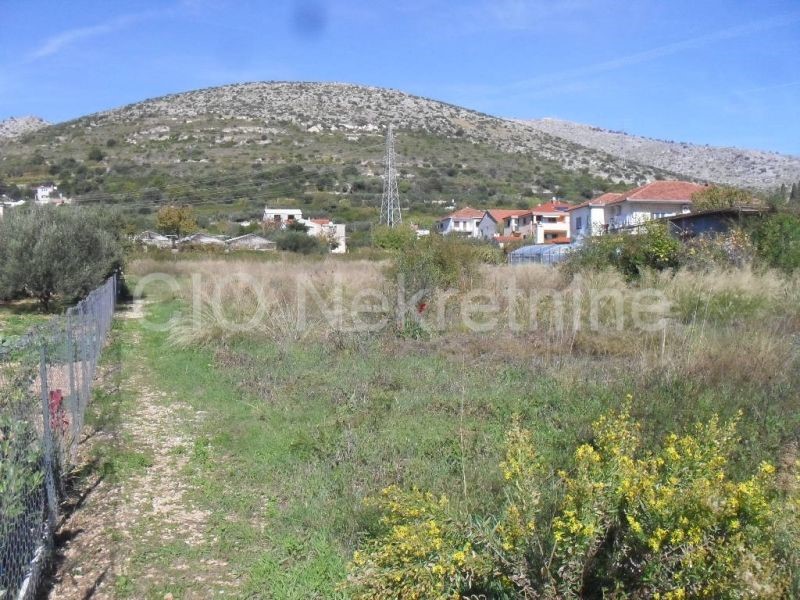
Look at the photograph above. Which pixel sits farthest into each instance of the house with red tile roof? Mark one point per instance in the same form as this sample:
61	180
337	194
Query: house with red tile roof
627	210
493	222
545	223
463	222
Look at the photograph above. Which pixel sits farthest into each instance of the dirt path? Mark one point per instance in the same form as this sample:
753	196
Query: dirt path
133	518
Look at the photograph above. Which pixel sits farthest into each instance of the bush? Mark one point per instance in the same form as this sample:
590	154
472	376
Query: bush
393	238
296	241
625	521
95	154
733	249
438	262
47	252
651	247
777	241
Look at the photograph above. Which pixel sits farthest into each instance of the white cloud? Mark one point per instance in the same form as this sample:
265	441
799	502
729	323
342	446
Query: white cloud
65	39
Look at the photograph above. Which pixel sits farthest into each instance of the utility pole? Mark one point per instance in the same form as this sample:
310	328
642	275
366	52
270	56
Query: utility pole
390	201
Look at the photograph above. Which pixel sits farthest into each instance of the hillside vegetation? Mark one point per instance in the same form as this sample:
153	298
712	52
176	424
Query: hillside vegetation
232	149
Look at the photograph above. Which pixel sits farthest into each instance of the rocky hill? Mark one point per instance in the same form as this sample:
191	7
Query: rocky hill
229	150
357	110
17	126
732	166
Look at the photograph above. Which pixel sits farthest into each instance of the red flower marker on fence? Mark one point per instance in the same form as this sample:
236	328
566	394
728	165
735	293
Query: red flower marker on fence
58	419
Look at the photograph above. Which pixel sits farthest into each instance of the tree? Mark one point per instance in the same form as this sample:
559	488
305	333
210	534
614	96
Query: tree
176	220
47	252
720	197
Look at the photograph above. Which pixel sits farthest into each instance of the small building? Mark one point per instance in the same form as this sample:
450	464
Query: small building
45	193
333	233
201	239
250	241
712	221
462	222
281	217
153	239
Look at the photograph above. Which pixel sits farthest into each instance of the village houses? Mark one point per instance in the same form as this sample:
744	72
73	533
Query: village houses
546	223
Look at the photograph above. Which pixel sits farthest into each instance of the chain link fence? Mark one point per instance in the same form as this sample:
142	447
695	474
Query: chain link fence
45	384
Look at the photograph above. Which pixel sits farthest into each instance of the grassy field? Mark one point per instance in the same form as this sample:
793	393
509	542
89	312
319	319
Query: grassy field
283	431
16	318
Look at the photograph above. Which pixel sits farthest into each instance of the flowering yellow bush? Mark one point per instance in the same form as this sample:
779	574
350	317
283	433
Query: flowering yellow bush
423	553
666	523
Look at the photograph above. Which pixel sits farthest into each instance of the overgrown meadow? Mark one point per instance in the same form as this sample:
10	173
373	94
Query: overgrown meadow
355	448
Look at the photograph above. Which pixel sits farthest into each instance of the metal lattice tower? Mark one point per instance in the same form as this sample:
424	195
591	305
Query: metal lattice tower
390	201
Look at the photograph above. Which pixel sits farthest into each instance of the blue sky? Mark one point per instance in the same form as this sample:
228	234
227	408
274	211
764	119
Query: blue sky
723	72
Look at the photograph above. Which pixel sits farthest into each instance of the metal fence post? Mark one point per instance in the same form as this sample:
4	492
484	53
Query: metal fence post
47	442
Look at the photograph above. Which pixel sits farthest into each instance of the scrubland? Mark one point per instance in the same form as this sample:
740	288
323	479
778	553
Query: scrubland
341	422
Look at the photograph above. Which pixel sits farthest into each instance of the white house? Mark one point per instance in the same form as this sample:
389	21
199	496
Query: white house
550	223
44	193
282	216
463	222
617	212
493	223
334	233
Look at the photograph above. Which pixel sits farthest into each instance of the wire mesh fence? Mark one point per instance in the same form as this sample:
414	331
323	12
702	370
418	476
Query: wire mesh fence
45	385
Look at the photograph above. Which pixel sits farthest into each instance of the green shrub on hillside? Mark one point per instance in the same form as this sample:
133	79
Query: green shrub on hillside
622	520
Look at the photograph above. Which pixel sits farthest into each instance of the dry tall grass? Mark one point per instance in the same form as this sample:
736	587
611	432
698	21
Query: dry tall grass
734	325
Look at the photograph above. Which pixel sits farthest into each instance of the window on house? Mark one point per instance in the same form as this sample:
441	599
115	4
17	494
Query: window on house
579	223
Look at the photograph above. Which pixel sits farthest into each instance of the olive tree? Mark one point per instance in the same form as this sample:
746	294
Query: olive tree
49	252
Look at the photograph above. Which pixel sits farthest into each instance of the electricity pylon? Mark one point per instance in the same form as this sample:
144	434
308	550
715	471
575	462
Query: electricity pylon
390	201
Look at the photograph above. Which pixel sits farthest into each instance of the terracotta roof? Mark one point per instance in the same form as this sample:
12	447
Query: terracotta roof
498	214
465	214
502	239
321	221
678	191
550	207
599	201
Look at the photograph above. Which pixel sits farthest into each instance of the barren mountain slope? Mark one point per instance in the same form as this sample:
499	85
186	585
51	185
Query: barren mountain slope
16	126
732	166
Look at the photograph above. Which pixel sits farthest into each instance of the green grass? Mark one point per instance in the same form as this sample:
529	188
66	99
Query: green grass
297	435
17	318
